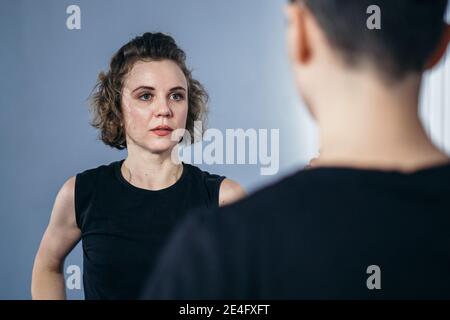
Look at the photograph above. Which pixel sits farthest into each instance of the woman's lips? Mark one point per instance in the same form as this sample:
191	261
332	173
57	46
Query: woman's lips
162	130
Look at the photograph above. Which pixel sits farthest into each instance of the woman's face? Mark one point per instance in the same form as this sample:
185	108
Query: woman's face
154	103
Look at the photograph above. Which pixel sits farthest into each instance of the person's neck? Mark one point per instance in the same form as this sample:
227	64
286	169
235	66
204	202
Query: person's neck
375	127
151	171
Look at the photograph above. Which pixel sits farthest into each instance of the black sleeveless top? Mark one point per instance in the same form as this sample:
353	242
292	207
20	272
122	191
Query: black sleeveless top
123	227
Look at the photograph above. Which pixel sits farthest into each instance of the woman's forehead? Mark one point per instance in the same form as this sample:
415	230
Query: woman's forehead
156	74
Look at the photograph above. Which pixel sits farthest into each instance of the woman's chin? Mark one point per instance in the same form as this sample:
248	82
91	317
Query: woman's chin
160	147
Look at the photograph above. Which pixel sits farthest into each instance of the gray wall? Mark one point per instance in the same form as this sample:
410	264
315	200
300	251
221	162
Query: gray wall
236	48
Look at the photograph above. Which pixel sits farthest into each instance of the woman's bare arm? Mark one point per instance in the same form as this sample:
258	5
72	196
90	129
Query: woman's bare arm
60	237
230	191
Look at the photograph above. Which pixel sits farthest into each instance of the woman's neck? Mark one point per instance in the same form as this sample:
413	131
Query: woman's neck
150	171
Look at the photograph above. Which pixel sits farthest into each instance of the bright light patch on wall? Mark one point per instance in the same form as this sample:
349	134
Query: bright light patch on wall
435	101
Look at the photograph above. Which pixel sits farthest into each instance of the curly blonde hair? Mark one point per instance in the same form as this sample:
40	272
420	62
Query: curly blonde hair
106	96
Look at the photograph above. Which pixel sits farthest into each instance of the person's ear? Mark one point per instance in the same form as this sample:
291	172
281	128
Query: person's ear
441	49
298	41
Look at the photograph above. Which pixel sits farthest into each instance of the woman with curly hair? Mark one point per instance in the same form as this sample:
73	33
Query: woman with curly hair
124	212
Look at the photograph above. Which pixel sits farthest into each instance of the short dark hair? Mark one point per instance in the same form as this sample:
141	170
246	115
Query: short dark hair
410	31
106	96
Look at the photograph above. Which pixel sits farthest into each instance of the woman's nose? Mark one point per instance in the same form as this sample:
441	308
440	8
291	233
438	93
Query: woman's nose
163	109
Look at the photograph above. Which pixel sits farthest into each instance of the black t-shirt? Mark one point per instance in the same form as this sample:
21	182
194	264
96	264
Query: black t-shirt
124	227
326	233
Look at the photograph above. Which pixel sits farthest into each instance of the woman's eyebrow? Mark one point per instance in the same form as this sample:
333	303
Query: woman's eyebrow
153	89
143	87
177	88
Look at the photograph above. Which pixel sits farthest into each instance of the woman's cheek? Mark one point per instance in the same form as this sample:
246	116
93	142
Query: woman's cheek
182	117
137	119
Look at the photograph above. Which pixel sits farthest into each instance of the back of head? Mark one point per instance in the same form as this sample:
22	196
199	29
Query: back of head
409	33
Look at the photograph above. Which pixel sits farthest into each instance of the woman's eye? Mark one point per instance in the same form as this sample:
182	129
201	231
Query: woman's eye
145	97
176	96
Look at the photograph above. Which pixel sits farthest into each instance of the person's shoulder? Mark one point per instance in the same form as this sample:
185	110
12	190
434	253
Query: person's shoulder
299	190
66	192
203	174
292	187
230	191
262	200
227	190
210	180
95	171
89	178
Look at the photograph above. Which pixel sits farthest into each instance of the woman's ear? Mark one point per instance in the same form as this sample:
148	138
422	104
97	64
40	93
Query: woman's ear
441	49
